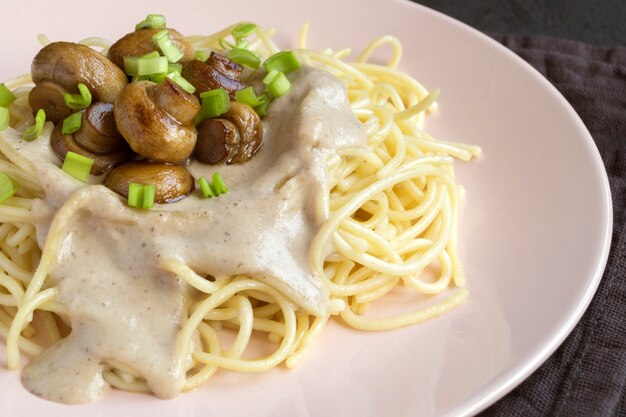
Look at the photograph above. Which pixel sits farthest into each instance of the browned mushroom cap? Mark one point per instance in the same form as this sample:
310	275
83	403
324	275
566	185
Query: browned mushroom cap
98	133
148	128
232	139
68	64
172	182
49	96
62	144
181	105
139	43
218	141
225	65
248	123
212	74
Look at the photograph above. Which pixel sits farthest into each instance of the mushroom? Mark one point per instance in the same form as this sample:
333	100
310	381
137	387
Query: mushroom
98	133
62	144
59	67
139	43
157	120
232	139
217	72
218	141
172	182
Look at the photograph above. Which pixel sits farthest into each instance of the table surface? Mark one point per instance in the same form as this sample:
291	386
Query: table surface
599	22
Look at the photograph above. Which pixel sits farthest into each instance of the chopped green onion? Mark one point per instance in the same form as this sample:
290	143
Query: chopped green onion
183	83
202	56
141	196
34	131
174	67
4	118
248	96
218	185
284	61
152	21
148	196
205	188
149	66
8	187
78	166
6	96
157	78
163	40
214	104
72	123
213	189
262	108
153	54
130	65
135	195
78	101
244	30
245	57
277	83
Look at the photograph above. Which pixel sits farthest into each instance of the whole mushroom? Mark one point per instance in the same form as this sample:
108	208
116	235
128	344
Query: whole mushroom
59	67
139	43
157	120
97	139
231	139
217	71
171	182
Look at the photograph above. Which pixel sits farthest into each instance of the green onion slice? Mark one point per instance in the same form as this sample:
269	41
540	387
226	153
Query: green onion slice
149	66
72	123
214	188
244	30
218	185
152	21
214	103
245	57
284	61
130	65
6	96
141	196
205	188
78	166
183	83
78	101
8	187
34	131
174	67
248	96
164	41
202	56
262	108
277	83
4	118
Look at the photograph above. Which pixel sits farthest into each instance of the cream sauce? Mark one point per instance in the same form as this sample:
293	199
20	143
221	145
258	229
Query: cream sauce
121	304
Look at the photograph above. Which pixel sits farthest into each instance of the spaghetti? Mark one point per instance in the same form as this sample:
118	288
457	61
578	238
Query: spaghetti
391	222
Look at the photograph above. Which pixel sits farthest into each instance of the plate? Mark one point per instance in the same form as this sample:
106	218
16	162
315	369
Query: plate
535	229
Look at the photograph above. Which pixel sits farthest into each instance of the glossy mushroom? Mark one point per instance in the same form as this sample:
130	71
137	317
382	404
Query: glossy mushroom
59	67
157	120
139	43
98	133
232	139
62	144
216	72
172	182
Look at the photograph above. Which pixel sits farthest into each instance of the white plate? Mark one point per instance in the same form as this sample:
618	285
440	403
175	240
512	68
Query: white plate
535	231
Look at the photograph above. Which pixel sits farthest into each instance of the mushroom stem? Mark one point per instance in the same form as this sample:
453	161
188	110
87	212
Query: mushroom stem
98	133
48	95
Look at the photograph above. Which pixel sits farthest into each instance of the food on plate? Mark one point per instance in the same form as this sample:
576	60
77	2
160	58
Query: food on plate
170	203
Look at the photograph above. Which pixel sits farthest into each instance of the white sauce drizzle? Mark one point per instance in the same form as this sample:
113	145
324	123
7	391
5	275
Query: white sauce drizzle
121	304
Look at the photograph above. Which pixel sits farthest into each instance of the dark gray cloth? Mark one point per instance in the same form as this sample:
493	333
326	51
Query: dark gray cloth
586	376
